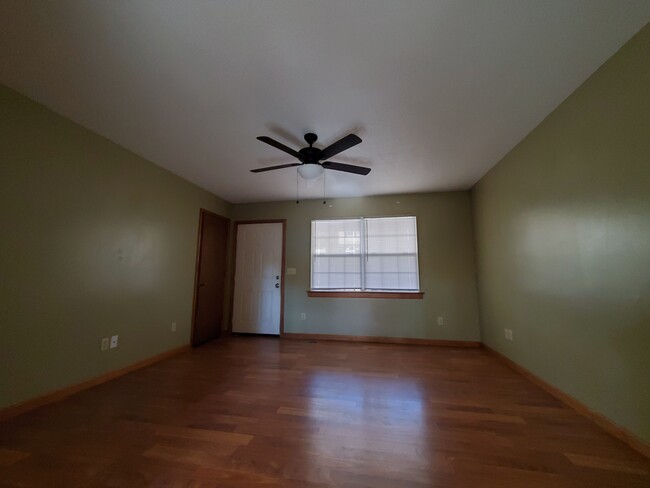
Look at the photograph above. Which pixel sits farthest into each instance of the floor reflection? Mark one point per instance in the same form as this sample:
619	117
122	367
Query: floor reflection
366	418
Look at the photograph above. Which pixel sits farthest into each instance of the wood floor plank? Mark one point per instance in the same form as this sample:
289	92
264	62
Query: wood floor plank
268	413
9	457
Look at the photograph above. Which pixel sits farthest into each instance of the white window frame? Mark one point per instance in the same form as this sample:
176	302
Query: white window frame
363	256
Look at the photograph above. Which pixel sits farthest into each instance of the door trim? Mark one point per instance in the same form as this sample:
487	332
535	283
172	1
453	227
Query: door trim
234	266
197	266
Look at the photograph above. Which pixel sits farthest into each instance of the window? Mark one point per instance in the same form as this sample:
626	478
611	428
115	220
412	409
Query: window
365	254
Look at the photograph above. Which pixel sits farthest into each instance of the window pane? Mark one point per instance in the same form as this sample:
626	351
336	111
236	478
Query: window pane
336	254
391	235
391	262
392	272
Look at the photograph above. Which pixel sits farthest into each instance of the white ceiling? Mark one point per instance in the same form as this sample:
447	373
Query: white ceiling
438	90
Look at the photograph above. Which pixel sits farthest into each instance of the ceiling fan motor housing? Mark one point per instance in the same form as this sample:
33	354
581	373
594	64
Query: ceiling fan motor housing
310	155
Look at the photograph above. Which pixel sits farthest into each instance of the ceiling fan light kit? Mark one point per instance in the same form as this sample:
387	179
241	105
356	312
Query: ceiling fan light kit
310	171
310	166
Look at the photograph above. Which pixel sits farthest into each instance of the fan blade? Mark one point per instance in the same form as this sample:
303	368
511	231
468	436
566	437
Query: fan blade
270	168
279	145
347	168
341	145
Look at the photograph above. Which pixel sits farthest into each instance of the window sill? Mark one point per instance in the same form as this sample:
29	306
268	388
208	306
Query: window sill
366	294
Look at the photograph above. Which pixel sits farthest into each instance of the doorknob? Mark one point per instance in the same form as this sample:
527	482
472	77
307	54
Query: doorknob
277	285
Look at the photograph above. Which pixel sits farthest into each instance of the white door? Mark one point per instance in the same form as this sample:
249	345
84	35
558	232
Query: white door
258	279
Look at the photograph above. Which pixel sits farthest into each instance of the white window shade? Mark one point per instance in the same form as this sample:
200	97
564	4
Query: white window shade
365	254
336	254
391	254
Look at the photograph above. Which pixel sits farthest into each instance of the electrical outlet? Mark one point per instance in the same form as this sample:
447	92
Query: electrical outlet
508	334
303	316
113	342
104	346
173	326
441	321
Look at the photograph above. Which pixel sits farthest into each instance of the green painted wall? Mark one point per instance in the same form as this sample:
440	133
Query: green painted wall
562	228
95	241
447	274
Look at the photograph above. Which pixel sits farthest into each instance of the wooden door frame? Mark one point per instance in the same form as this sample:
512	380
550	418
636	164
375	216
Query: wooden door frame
234	266
197	266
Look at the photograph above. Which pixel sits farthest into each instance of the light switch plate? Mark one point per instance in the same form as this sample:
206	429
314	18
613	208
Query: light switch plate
104	346
113	342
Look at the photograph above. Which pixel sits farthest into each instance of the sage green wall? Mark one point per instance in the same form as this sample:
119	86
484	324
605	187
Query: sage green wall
563	243
95	241
446	268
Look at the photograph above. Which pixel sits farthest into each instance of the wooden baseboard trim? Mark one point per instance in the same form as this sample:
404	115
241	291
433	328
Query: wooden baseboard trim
55	396
385	340
599	419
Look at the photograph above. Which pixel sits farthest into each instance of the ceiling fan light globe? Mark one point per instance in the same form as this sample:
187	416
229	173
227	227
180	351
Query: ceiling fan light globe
310	171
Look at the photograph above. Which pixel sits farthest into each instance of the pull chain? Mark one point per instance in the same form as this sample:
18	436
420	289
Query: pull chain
324	201
297	199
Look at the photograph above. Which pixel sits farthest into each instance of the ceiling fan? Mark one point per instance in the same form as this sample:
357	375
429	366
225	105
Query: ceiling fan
310	165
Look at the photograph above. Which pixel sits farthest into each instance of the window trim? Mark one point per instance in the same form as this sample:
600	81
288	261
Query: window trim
403	295
364	293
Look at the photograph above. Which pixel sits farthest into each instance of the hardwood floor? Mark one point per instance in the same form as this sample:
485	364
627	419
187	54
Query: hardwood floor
263	412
